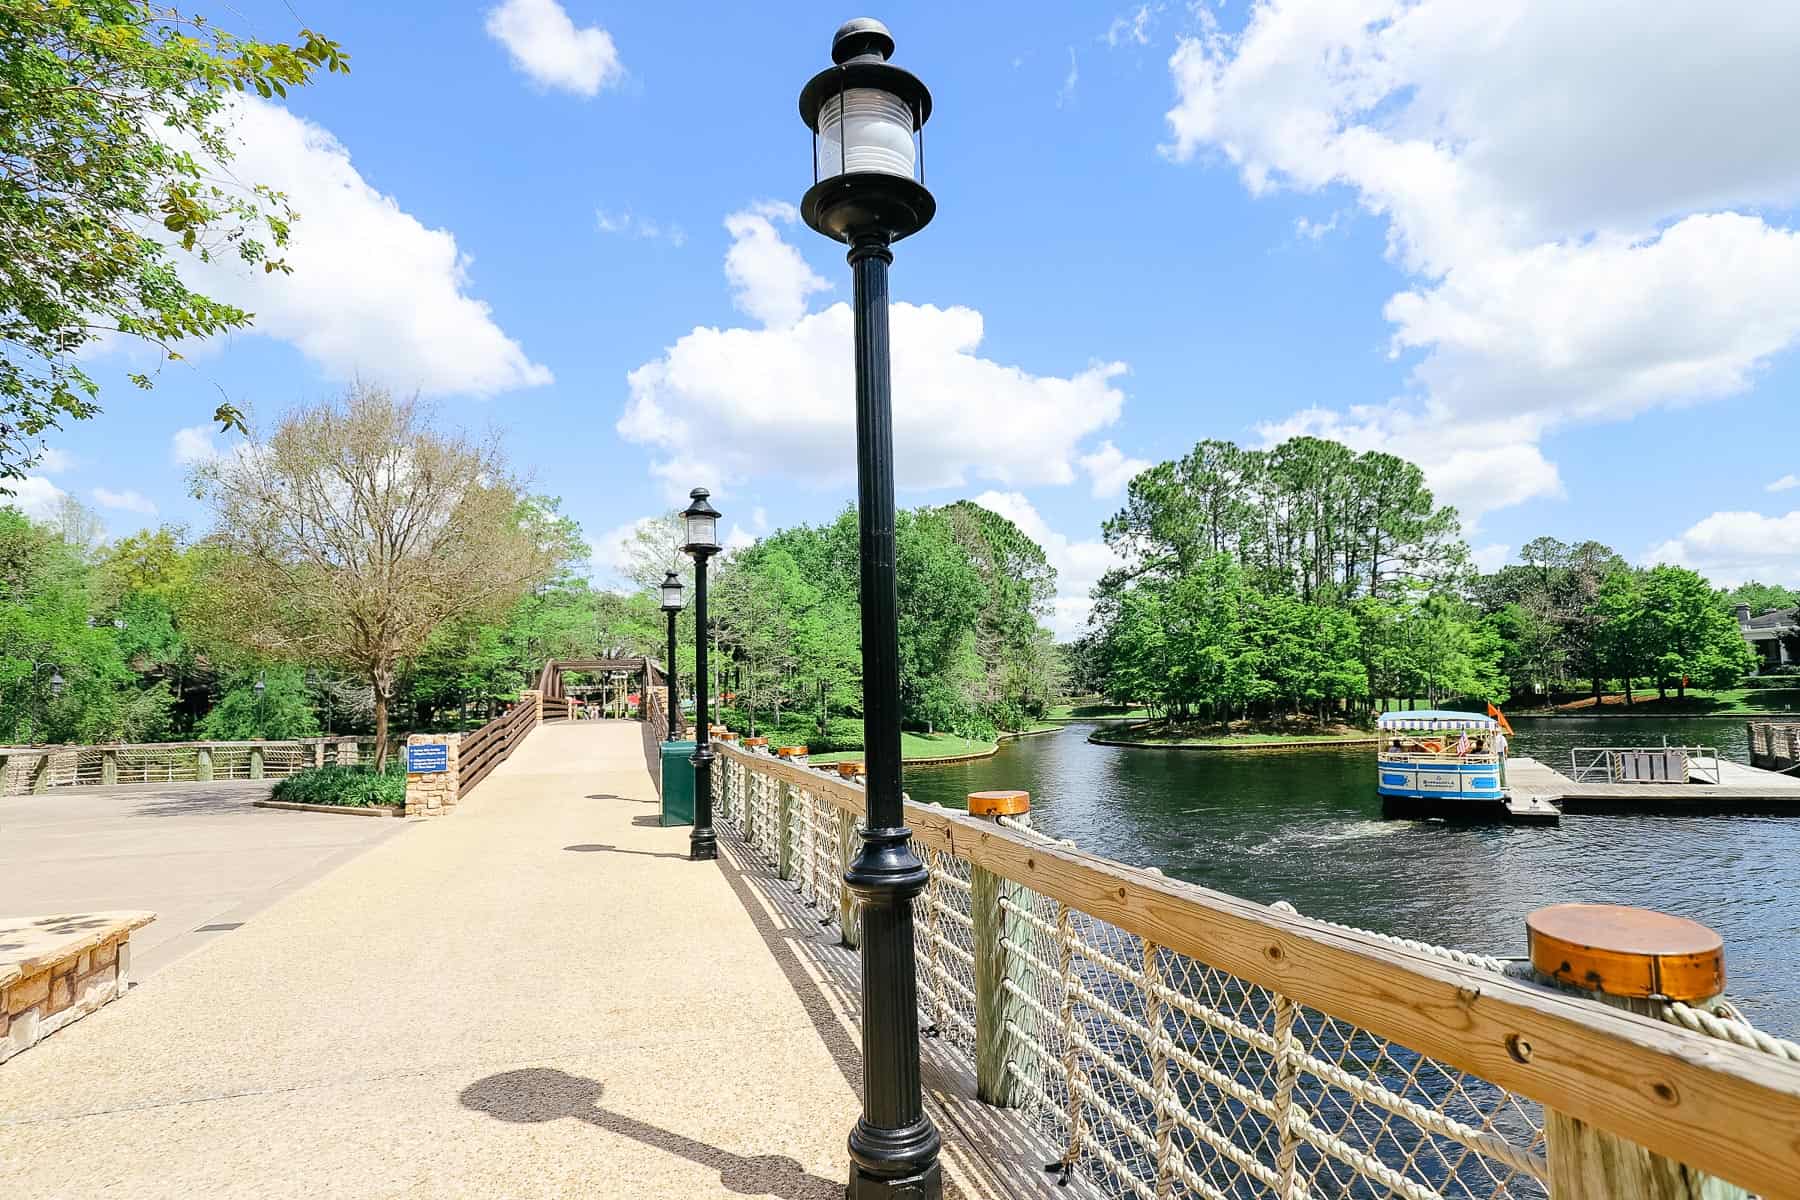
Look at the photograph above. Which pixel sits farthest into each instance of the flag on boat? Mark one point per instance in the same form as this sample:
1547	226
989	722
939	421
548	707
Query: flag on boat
1499	716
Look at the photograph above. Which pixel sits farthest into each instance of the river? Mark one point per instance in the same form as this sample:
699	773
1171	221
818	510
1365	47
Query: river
1305	826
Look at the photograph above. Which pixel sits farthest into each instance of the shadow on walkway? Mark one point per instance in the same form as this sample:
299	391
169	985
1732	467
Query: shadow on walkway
597	847
538	1094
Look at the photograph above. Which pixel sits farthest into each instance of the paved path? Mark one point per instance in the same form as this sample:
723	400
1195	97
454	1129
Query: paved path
535	996
195	855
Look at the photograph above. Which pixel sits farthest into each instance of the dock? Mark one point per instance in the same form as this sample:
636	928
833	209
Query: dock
1740	789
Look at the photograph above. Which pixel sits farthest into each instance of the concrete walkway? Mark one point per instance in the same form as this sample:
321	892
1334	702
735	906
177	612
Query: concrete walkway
197	855
535	996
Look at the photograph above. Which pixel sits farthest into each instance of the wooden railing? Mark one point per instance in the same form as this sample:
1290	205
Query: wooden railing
26	769
480	752
1774	745
1179	1041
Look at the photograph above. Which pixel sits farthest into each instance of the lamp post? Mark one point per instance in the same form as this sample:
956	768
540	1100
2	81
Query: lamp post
672	605
702	543
867	118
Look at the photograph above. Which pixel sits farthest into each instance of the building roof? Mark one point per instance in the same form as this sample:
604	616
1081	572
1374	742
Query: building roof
1778	618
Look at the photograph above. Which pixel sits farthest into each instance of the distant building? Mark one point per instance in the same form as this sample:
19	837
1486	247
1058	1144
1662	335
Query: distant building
1770	635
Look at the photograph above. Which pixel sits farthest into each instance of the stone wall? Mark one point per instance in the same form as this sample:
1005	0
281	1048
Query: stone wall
433	793
68	967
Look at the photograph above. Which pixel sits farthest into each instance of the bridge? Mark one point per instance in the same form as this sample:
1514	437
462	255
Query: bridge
541	995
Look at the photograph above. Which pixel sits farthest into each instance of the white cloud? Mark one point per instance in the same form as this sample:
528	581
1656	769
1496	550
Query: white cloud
1111	470
192	445
1066	93
770	281
126	501
1079	565
1786	483
759	517
727	405
1490	557
739	538
1312	231
374	292
1133	27
52	461
627	224
544	43
34	496
1580	230
1731	547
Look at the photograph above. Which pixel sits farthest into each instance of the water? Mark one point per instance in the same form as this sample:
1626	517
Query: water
1305	826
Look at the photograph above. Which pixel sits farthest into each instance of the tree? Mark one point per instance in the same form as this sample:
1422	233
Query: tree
354	530
1764	597
116	116
1691	632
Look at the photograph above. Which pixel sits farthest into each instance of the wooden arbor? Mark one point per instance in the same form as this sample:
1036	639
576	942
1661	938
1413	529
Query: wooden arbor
652	681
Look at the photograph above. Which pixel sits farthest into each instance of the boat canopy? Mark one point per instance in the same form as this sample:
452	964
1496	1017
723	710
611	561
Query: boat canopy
1436	718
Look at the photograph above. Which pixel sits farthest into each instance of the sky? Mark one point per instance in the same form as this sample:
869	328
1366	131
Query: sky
1547	249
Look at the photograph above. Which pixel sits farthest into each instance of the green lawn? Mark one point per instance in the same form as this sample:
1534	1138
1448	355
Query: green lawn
915	746
1189	737
1725	703
1089	712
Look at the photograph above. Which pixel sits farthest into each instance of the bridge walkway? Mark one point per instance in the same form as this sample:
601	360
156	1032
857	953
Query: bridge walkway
537	996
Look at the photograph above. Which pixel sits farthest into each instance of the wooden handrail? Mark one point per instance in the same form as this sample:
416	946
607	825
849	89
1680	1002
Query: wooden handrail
1727	1110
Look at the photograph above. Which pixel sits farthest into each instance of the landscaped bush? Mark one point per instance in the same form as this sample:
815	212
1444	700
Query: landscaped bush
1775	677
351	787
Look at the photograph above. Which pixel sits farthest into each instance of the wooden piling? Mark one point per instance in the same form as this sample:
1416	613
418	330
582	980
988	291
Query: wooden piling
998	1013
1636	960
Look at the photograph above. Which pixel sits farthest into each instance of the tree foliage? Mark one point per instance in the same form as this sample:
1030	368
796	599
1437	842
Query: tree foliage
114	122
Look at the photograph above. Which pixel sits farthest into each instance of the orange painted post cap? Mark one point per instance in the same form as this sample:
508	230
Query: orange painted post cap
999	804
756	741
1631	952
792	751
849	770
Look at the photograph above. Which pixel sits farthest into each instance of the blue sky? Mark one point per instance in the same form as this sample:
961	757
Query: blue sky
1546	252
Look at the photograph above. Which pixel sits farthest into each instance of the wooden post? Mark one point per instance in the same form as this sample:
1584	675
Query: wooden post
40	775
203	764
319	753
995	1043
256	761
1637	960
849	920
784	829
109	767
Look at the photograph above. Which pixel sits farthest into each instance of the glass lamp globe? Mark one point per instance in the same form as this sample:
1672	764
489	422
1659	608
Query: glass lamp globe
671	592
702	525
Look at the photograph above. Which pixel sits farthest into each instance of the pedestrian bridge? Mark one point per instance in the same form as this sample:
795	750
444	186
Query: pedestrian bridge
541	996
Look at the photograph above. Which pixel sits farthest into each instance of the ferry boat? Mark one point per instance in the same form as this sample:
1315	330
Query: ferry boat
1435	762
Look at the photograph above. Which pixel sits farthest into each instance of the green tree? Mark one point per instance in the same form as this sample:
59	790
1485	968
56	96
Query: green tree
1764	597
116	116
282	709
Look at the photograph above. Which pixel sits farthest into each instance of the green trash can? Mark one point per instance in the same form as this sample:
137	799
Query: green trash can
677	783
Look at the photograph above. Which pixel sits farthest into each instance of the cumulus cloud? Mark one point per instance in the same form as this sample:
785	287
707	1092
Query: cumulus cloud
374	292
1731	547
628	224
727	405
52	461
1111	469
1079	565
192	445
33	495
1582	236
544	42
125	501
1786	483
770	281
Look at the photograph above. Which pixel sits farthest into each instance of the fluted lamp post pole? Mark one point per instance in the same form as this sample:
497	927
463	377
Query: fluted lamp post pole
867	118
672	605
702	543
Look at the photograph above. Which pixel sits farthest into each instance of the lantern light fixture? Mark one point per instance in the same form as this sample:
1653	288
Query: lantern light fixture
702	525
671	593
56	683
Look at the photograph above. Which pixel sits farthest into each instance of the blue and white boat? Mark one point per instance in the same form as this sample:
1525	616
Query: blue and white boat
1435	762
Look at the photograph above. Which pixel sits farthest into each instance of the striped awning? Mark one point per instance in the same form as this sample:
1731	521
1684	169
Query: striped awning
1436	718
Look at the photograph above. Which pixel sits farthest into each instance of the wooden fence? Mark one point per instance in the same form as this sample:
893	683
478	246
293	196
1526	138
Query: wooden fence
25	769
486	748
1176	1041
1774	746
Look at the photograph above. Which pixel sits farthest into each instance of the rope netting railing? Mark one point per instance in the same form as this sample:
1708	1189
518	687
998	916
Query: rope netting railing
1165	1070
50	768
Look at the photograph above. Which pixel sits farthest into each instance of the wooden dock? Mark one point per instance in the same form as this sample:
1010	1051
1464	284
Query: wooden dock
1740	789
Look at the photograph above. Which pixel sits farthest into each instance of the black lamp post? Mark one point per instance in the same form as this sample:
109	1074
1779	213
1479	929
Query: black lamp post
867	118
672	605
702	543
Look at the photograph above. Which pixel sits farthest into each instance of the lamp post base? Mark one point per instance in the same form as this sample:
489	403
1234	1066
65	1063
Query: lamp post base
701	849
925	1185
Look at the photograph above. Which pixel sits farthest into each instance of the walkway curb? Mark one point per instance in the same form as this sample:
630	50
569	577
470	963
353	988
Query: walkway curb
361	810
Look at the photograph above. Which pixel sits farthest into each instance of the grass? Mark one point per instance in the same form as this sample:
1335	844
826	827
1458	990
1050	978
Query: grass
1212	736
1097	711
917	746
346	787
1726	702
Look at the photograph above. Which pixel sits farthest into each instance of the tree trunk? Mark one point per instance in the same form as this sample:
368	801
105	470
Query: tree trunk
381	729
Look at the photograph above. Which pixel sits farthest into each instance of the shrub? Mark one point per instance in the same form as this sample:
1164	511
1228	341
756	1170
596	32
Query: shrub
351	787
1775	677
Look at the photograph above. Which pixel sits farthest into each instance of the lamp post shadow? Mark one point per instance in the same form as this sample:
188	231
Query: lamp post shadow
534	1095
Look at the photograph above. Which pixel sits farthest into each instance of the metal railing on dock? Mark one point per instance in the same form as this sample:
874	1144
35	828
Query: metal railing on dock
1644	764
1175	1041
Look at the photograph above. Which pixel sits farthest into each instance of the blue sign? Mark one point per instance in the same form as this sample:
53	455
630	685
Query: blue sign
424	760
